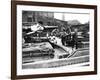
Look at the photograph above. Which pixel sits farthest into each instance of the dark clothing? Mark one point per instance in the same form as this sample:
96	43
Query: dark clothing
74	40
63	38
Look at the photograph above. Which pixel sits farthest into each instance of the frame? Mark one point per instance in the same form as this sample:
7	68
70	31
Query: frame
33	55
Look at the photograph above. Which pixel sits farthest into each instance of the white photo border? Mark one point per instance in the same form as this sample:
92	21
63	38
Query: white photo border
21	71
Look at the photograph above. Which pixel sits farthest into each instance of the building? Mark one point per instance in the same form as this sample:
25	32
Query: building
29	17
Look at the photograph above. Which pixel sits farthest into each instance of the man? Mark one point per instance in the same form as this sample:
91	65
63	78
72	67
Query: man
75	39
63	37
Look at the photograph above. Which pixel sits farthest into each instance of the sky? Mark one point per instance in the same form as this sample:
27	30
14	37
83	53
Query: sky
82	18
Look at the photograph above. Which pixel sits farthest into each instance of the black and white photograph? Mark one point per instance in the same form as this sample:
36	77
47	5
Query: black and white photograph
55	39
51	39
